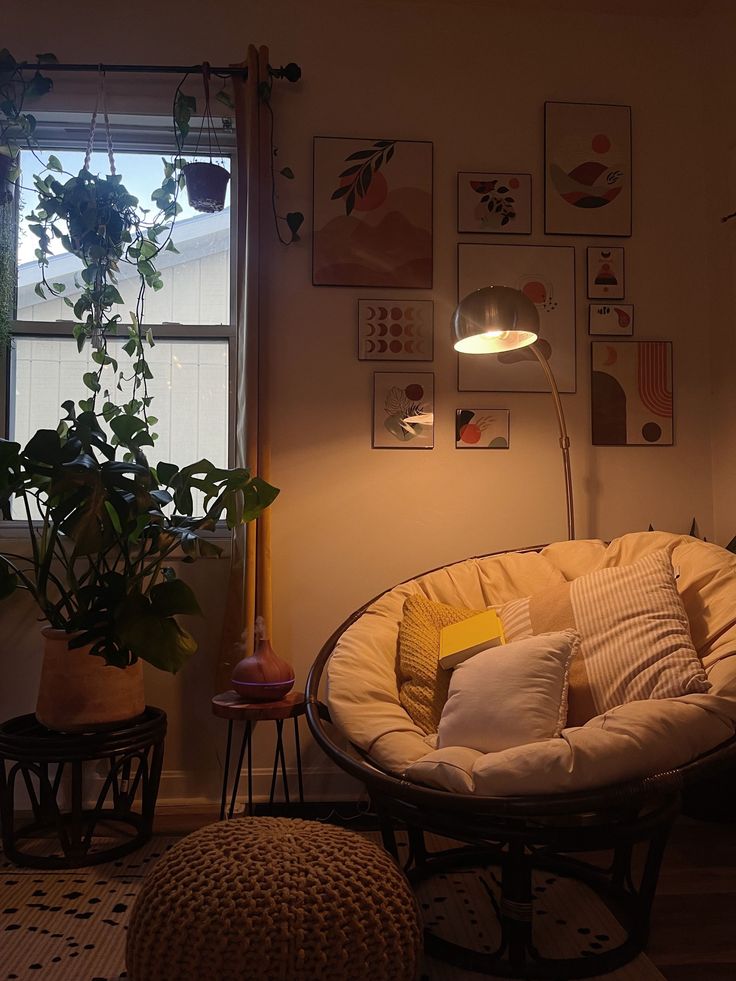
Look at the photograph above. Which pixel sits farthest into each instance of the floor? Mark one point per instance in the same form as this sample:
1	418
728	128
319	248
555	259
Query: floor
694	923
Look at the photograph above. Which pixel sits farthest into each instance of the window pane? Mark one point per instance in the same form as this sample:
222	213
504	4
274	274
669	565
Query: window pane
196	282
190	389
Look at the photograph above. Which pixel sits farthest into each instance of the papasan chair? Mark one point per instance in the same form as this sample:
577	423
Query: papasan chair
651	708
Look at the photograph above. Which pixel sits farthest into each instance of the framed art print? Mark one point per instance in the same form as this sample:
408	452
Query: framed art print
395	330
606	273
546	274
611	318
587	169
494	203
372	213
631	393
482	429
403	410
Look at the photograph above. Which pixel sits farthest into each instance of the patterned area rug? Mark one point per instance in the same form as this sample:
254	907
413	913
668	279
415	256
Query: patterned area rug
70	925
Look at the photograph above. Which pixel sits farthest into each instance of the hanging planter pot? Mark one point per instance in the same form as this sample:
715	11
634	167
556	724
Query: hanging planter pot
206	186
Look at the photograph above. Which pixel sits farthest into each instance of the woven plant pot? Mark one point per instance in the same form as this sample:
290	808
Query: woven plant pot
79	692
206	186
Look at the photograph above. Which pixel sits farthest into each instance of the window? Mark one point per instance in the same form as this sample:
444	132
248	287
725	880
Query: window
192	317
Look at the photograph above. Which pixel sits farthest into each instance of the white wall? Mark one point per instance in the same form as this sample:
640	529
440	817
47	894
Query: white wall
473	78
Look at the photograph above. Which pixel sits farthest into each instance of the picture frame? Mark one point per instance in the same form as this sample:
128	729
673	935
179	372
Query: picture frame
546	274
403	410
395	330
632	393
372	213
587	169
611	319
494	203
606	273
482	429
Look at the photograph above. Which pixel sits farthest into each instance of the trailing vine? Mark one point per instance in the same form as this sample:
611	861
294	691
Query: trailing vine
100	222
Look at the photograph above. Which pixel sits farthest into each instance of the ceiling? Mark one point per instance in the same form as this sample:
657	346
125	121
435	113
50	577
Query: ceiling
651	8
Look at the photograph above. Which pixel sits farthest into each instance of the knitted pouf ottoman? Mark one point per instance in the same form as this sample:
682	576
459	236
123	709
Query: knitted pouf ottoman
274	899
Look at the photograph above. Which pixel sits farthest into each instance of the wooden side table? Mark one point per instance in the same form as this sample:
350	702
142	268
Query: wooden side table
228	705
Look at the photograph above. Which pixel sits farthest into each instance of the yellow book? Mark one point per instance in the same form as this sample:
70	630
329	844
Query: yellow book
461	640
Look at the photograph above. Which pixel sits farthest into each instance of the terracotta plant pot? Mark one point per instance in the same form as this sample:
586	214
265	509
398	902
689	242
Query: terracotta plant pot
79	692
263	677
6	185
206	186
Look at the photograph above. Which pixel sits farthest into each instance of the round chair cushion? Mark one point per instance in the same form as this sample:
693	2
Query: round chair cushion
274	899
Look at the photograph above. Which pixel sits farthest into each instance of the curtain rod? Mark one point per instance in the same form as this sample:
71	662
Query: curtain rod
291	72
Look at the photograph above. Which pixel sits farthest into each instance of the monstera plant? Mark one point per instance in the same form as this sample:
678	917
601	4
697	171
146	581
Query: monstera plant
103	532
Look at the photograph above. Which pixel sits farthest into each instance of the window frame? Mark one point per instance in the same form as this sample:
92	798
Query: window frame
140	134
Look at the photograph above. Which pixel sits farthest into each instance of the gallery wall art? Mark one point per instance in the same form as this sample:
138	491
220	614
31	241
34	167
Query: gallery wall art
372	213
587	180
494	203
482	429
611	319
395	330
631	393
403	410
546	274
606	273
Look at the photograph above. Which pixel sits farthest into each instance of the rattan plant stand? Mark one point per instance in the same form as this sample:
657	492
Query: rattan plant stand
55	771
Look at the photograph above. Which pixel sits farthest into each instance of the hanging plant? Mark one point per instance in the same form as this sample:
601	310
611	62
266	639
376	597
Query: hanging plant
96	219
206	182
17	126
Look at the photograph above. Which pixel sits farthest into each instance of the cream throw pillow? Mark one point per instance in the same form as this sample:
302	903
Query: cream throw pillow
635	635
511	695
422	682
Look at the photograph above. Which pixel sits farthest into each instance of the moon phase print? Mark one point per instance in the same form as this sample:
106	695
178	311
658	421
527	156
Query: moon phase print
395	330
606	273
587	179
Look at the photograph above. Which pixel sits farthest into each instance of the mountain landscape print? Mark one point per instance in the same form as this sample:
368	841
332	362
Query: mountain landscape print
372	213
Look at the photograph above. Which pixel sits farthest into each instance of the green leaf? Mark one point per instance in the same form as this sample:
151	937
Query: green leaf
288	173
166	472
54	164
114	517
294	220
90	380
47	58
224	97
156	639
170	247
58	287
38	291
126	427
174	597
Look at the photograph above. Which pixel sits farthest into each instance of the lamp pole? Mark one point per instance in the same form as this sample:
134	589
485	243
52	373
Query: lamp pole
564	439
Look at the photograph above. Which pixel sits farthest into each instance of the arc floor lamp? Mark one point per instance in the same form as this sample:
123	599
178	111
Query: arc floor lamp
497	319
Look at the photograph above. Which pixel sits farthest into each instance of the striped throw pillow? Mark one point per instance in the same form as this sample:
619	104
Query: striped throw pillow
636	640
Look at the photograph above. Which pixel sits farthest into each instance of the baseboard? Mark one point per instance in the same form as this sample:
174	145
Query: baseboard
198	792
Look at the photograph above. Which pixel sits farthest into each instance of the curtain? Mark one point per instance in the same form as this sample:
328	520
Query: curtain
249	584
